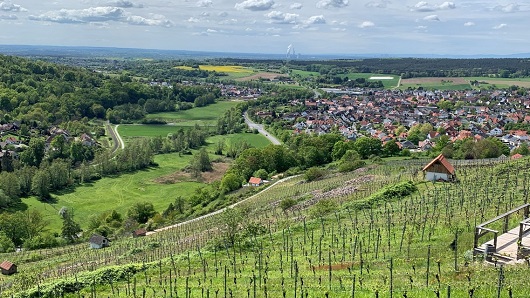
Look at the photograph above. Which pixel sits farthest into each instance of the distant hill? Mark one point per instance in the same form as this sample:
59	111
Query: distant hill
33	50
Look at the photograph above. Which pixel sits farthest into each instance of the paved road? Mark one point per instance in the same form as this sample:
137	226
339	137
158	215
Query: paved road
218	211
261	130
116	138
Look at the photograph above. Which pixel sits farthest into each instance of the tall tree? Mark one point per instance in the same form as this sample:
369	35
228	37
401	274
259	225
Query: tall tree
34	154
71	229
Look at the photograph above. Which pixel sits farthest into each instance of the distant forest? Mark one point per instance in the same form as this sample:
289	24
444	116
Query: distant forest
411	67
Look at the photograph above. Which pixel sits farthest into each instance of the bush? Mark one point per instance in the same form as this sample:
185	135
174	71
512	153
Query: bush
349	166
287	203
386	194
313	174
323	207
40	242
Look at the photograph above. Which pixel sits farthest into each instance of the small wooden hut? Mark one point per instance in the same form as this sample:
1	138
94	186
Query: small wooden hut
439	169
98	241
8	268
139	232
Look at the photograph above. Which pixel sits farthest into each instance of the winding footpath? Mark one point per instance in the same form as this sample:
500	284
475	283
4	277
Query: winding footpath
218	211
253	125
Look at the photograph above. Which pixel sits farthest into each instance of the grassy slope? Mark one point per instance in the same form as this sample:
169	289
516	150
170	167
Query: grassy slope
204	115
119	192
416	222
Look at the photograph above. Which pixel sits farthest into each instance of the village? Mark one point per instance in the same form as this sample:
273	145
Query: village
389	115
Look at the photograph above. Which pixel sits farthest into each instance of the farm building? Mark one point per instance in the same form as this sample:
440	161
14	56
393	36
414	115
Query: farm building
140	232
255	181
98	241
8	268
439	169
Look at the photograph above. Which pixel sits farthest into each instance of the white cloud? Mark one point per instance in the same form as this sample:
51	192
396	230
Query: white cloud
366	24
378	4
255	5
313	20
432	17
228	22
204	3
469	24
222	14
5	6
211	31
296	6
424	6
447	5
124	4
332	3
316	20
155	20
500	26
512	7
100	14
193	20
8	17
281	17
92	14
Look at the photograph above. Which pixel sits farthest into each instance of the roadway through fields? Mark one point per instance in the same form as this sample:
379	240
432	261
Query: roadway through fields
261	130
116	138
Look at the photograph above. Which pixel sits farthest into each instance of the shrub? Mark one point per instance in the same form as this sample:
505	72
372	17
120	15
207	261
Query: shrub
323	207
388	193
313	174
287	203
349	166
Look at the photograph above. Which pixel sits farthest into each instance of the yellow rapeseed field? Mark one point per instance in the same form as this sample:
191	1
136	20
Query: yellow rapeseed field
220	68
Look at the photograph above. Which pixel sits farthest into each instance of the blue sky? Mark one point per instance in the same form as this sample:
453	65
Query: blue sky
270	26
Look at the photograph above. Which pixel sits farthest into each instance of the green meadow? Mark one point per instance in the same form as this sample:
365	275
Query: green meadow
127	131
388	83
119	192
207	115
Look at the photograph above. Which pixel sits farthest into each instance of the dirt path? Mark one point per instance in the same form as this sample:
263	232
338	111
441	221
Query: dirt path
218	211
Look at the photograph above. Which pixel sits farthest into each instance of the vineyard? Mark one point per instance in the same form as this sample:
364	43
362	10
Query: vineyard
380	231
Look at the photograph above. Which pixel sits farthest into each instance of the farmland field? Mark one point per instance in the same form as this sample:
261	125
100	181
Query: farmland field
436	83
204	115
461	83
232	71
502	82
388	83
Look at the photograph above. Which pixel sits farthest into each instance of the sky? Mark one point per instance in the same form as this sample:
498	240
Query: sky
482	27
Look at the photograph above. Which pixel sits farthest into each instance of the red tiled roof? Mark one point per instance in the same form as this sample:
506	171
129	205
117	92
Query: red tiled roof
254	180
6	265
440	158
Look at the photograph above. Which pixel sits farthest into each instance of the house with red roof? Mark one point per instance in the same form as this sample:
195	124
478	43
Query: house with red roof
255	181
439	169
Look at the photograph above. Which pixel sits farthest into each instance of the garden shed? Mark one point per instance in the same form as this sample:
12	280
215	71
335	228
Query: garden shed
439	169
98	241
8	268
139	232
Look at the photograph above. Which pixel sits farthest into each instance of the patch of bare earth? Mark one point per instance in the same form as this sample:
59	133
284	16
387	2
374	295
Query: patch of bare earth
435	80
262	75
219	169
